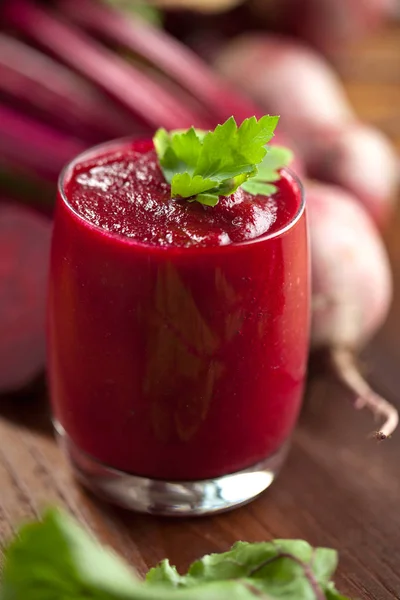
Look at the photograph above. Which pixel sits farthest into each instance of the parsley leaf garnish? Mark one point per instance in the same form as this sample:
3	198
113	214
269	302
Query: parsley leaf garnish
202	166
276	158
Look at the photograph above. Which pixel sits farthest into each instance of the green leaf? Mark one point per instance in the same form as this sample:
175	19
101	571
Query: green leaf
162	142
184	185
198	164
255	187
177	153
247	560
324	563
276	158
281	570
253	135
208	199
169	162
164	573
331	593
187	146
229	186
55	558
229	151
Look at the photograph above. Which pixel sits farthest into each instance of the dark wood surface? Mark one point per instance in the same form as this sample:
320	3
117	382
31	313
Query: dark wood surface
339	488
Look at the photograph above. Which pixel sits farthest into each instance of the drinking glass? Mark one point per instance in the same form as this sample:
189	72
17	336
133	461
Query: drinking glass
176	373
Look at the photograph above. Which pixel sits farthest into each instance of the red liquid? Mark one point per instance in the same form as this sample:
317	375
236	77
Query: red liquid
176	350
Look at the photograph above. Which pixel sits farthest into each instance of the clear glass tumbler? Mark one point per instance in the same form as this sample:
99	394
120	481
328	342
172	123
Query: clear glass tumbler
176	374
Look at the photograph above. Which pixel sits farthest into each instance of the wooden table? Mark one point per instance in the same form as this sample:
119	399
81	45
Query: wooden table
338	488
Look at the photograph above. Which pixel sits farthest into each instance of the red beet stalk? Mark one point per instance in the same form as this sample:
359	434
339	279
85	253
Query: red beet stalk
166	53
24	250
38	82
123	81
32	145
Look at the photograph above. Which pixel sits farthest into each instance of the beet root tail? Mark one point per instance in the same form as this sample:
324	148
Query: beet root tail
346	371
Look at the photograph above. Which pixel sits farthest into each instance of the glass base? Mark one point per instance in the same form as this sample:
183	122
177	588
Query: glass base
171	498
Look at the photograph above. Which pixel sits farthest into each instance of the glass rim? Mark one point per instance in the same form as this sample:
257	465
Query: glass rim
86	154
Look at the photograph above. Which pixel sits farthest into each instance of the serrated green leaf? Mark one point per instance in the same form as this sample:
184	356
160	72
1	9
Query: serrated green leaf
208	199
246	560
169	162
224	158
276	157
253	135
255	187
324	563
187	147
215	152
164	573
229	151
266	175
184	185
229	186
280	570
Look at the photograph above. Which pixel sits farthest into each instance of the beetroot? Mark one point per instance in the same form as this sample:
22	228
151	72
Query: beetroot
289	79
327	24
24	251
352	288
360	159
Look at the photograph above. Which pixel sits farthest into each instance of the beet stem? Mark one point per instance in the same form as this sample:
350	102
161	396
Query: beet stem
35	79
174	58
127	84
31	144
348	374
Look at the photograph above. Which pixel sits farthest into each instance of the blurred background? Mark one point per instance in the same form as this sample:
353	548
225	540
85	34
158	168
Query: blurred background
74	73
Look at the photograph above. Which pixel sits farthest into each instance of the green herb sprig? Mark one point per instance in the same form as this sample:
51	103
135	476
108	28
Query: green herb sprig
202	166
56	560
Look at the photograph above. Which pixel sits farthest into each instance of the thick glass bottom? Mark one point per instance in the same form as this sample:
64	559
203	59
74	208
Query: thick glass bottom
171	498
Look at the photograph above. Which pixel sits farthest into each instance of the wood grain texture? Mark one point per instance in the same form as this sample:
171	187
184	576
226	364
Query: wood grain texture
371	72
338	488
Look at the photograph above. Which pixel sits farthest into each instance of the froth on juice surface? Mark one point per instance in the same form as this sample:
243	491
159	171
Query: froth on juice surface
126	193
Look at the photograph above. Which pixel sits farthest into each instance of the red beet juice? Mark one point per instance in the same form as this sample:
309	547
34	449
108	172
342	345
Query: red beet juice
178	333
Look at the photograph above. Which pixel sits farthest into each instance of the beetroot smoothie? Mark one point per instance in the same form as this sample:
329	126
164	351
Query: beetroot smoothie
178	332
